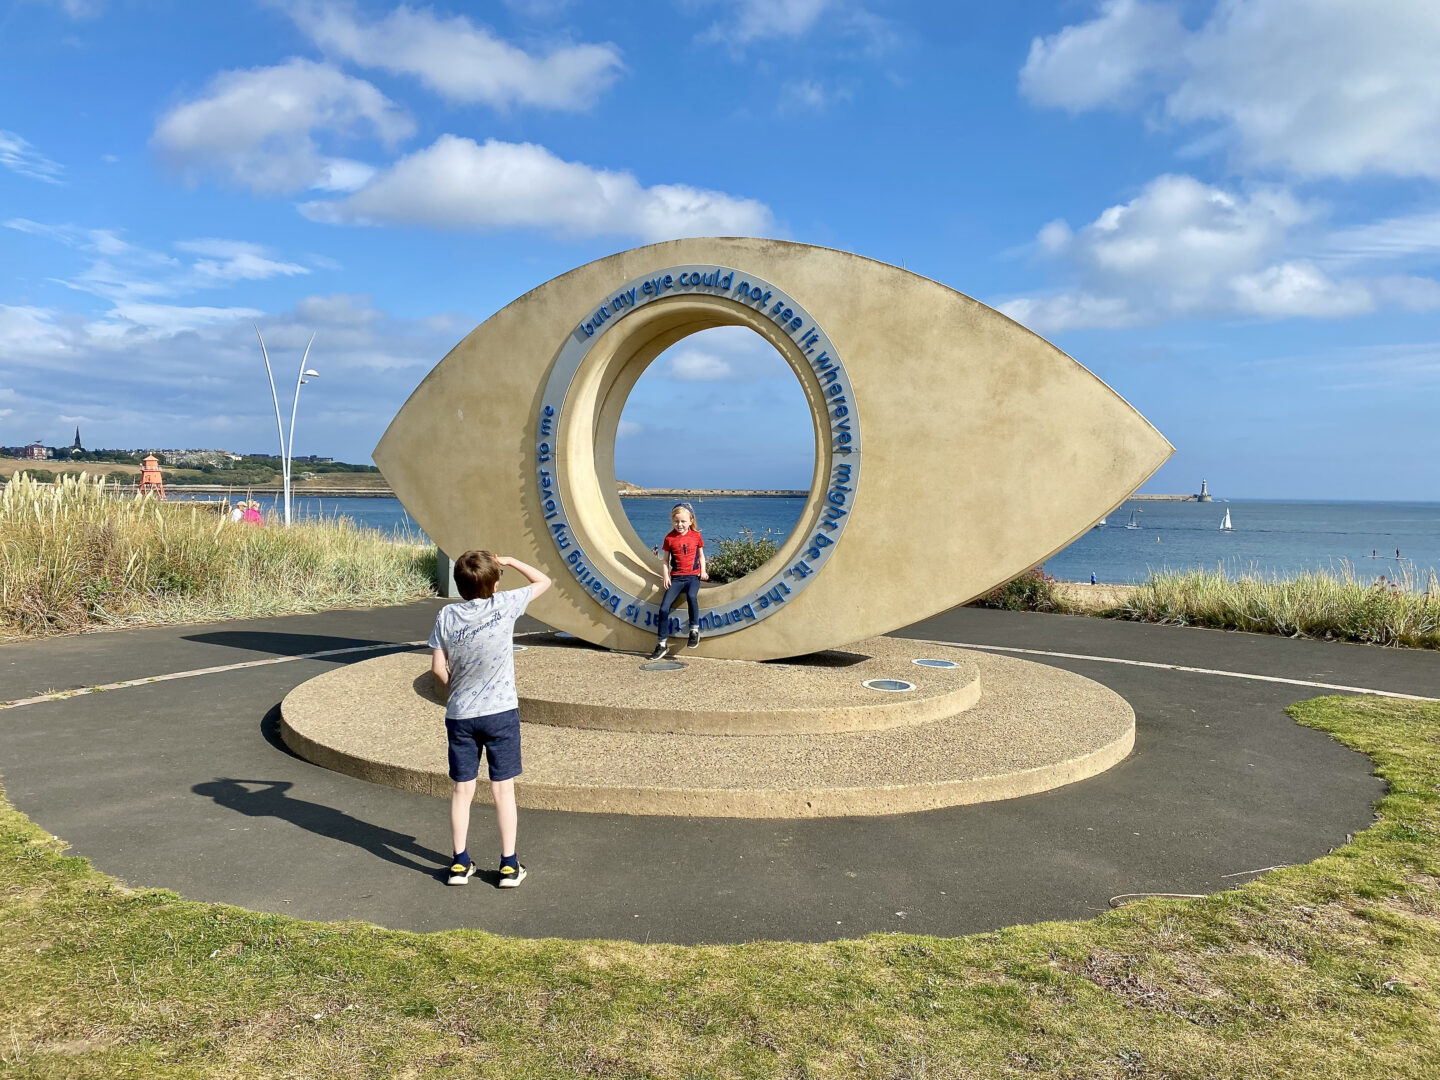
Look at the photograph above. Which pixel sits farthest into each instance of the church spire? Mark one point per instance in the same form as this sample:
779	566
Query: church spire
77	445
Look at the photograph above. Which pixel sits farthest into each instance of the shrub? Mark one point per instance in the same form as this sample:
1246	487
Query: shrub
734	557
1033	590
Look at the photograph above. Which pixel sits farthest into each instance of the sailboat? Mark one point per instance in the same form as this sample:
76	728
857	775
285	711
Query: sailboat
1225	525
1100	524
1133	523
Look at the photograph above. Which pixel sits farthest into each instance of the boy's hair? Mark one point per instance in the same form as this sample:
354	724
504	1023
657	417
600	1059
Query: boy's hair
476	573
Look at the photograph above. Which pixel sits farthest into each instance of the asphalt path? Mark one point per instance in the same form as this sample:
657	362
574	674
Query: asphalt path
184	784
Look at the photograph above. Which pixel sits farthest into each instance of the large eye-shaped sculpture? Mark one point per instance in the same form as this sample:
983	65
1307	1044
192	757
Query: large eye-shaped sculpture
954	449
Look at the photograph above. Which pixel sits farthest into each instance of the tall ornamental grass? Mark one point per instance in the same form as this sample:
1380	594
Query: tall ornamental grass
1340	605
74	555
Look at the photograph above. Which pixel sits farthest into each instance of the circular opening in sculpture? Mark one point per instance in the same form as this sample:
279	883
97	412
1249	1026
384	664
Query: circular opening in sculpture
585	396
718	420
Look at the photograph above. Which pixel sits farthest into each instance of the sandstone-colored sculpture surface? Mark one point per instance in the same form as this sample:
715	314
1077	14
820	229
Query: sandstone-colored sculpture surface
1034	728
978	449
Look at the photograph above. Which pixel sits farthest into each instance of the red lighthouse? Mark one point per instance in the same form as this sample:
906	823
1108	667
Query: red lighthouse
150	478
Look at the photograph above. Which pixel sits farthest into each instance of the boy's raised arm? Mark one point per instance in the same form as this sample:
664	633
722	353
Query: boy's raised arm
539	580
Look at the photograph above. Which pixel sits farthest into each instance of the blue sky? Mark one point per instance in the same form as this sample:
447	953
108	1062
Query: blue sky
1228	210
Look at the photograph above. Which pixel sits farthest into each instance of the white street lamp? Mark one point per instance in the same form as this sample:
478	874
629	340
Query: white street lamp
287	447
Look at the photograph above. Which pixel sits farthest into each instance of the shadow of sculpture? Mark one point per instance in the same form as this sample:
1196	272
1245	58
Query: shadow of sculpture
269	798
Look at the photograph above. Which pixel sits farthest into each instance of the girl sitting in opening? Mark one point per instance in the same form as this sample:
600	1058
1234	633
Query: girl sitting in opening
682	568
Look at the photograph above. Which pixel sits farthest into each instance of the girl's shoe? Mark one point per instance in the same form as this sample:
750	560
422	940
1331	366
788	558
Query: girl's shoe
659	651
694	641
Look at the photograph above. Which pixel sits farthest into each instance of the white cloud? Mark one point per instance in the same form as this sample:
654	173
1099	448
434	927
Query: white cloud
1102	62
1182	249
457	183
31	332
20	157
1414	234
342	174
1317	87
629	429
156	321
811	95
1300	288
78	9
134	278
193	377
1070	311
459	60
754	20
236	260
692	365
258	128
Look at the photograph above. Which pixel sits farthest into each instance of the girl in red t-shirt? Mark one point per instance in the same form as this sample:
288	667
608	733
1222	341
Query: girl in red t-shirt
682	568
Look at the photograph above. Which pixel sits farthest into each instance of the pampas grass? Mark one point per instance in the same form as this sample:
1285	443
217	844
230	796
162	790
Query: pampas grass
74	556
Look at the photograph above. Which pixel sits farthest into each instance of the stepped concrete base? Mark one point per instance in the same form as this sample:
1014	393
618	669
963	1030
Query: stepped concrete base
1011	728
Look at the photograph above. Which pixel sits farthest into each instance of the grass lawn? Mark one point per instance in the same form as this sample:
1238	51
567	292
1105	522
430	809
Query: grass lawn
1331	969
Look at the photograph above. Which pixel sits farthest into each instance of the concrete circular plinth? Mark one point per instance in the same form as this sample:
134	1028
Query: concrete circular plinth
568	683
1033	728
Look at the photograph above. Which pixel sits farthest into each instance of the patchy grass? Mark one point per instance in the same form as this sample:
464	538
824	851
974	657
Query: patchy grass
1329	970
75	556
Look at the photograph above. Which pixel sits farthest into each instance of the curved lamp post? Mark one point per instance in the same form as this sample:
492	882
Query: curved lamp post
287	447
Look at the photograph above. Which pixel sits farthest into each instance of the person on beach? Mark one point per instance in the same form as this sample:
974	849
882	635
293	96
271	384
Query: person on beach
252	514
473	660
238	511
682	568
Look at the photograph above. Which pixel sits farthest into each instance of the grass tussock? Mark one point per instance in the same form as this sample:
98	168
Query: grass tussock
1328	970
1339	606
75	556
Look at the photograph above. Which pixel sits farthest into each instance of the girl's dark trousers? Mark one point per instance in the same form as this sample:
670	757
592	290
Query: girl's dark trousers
689	584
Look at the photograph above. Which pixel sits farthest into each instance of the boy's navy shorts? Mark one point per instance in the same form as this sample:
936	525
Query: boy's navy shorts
497	734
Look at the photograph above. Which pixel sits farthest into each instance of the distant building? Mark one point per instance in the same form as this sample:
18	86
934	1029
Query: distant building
150	479
36	452
77	448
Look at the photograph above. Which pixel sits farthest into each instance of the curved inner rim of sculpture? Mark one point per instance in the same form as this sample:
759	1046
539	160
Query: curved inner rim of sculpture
590	421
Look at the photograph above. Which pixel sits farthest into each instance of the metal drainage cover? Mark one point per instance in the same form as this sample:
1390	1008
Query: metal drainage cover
663	665
927	662
893	685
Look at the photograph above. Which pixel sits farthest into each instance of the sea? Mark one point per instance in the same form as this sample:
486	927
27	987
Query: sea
1269	537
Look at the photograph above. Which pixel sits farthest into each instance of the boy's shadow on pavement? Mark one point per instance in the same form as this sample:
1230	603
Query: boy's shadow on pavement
268	798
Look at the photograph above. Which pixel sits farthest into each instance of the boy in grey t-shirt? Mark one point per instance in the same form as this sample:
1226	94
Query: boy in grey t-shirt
473	659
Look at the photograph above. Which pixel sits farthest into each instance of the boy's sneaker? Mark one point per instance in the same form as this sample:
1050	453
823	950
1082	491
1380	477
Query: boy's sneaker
511	876
694	641
460	873
659	652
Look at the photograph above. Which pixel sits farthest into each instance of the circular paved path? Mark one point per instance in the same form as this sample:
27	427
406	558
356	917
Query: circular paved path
184	784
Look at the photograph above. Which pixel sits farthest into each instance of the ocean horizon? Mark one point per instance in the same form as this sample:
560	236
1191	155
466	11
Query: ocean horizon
1270	537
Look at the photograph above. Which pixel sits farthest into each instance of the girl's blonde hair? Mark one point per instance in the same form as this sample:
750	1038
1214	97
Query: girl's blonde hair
694	524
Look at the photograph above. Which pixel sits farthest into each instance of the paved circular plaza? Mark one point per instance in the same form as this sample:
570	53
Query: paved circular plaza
179	779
